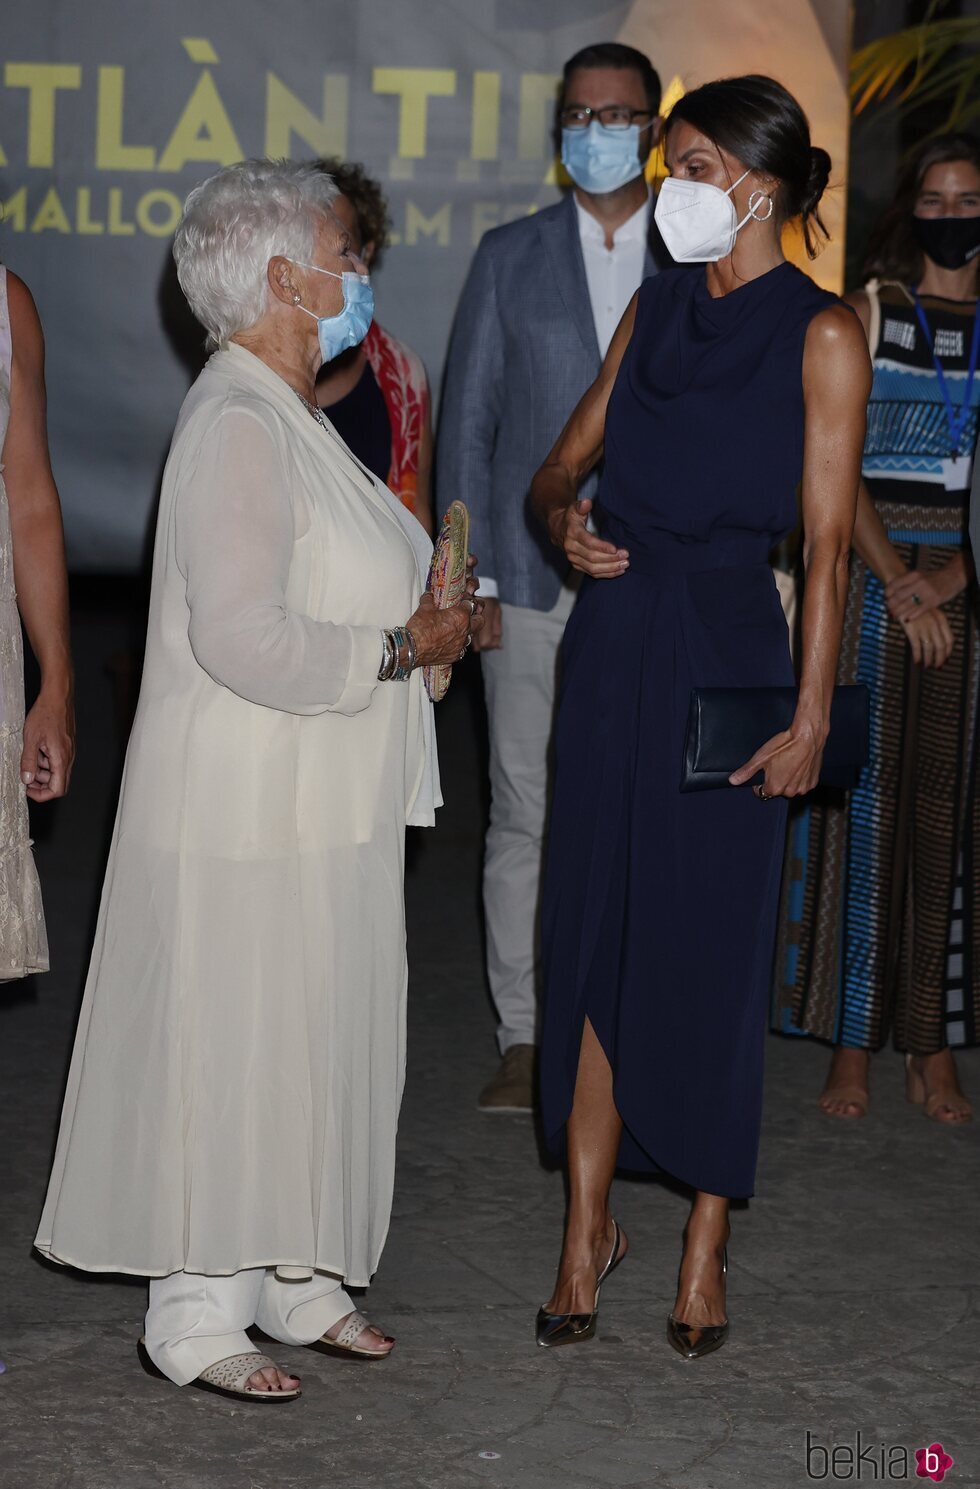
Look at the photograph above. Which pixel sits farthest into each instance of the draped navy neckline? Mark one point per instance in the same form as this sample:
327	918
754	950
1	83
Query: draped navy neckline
712	339
722	309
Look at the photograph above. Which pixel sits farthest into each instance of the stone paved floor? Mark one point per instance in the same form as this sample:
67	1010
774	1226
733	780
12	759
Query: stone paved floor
854	1283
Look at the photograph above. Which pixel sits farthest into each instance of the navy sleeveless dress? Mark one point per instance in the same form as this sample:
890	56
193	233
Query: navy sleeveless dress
659	907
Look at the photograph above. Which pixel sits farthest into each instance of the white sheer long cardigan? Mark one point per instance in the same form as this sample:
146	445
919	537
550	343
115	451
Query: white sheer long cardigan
239	1063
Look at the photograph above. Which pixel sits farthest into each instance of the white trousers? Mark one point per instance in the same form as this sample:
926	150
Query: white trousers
520	688
193	1321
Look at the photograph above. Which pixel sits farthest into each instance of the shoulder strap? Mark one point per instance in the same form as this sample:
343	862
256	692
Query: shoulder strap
874	302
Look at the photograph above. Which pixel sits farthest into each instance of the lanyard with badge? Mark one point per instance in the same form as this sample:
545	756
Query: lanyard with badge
956	470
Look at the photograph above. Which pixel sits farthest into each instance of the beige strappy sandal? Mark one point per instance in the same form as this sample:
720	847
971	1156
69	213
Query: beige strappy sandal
346	1340
229	1377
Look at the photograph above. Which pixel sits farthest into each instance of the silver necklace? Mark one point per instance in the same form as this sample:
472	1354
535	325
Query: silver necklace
311	408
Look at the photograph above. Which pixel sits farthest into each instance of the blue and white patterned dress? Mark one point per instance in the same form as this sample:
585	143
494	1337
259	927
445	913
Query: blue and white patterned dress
880	923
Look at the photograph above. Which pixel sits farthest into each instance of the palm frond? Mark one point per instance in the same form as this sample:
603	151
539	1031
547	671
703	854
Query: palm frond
920	65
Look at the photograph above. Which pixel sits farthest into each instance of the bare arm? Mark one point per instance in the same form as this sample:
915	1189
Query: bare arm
871	541
836	384
928	631
38	541
578	450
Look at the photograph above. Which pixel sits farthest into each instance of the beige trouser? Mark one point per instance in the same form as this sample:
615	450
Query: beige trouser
193	1321
520	687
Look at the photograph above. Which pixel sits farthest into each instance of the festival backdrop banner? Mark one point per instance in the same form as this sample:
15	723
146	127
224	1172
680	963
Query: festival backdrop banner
110	113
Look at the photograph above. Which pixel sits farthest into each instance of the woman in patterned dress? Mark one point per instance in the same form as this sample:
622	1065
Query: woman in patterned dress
36	754
880	931
376	395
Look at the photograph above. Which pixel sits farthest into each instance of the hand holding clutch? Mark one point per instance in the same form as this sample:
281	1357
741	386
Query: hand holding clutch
447	585
725	727
789	764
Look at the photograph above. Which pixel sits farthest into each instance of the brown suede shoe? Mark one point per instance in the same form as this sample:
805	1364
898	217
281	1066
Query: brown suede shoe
512	1088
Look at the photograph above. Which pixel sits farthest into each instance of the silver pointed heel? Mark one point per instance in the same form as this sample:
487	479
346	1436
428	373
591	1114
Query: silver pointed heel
553	1329
694	1341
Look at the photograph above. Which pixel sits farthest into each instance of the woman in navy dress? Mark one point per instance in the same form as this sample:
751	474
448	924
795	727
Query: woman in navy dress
731	380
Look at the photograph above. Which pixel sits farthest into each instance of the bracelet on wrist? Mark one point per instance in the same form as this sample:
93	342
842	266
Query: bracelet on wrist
394	642
402	670
389	657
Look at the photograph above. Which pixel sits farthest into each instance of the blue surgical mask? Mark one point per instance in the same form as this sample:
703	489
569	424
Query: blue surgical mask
600	159
349	327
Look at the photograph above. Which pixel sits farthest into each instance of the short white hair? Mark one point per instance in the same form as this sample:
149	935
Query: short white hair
233	224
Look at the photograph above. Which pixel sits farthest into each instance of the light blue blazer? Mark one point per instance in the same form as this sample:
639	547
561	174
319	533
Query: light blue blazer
523	352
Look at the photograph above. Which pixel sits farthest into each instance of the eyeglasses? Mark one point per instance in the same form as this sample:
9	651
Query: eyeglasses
615	116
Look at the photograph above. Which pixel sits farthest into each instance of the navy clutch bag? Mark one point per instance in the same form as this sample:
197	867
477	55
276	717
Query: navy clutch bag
726	726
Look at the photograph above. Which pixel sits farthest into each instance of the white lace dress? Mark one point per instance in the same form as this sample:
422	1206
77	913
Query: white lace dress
23	943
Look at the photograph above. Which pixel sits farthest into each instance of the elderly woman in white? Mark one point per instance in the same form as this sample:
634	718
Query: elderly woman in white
229	1123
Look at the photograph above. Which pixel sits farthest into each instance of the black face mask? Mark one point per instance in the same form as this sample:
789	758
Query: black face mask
950	242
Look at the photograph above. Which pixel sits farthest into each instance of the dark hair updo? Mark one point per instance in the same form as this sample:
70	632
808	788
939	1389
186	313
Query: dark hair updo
755	119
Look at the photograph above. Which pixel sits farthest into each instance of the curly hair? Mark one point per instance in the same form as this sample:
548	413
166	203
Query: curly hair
232	225
366	197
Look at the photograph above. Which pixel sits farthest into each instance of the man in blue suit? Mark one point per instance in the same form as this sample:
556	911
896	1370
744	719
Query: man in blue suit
538	311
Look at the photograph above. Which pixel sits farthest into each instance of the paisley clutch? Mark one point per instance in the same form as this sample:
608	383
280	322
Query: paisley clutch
447	582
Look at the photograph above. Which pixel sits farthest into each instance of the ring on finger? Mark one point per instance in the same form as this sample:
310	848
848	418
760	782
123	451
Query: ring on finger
763	794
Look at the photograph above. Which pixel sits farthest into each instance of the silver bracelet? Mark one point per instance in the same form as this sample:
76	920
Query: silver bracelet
391	669
389	657
402	638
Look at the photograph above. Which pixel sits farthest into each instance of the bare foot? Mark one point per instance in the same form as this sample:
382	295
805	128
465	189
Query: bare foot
272	1379
583	1257
701	1285
932	1082
370	1339
846	1091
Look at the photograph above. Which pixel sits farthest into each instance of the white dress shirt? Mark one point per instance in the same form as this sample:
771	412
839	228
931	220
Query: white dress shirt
613	276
